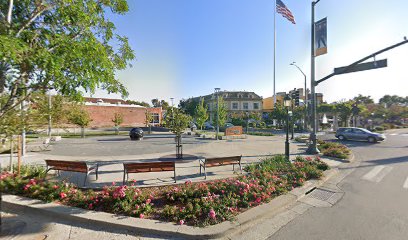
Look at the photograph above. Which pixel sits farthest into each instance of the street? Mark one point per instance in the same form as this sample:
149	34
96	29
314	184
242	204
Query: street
374	205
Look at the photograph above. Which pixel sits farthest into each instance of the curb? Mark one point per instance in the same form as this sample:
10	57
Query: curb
164	229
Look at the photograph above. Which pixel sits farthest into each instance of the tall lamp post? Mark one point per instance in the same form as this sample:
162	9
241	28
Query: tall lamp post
217	90
247	121
287	101
313	146
304	75
292	122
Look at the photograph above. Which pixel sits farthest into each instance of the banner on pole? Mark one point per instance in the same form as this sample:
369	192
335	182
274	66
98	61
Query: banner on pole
321	37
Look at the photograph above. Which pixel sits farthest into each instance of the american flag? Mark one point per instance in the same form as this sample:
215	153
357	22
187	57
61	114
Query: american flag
284	11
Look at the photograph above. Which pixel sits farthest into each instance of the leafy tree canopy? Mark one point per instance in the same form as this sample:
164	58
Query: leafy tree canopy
61	44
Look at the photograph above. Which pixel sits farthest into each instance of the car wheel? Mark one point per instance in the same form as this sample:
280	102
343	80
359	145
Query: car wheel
342	138
371	140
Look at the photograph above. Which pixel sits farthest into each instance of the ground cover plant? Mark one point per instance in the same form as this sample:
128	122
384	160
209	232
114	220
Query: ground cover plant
333	149
198	204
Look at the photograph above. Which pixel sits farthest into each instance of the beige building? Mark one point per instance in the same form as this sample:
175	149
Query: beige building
268	102
236	102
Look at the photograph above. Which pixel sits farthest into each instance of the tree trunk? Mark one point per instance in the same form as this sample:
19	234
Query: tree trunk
82	132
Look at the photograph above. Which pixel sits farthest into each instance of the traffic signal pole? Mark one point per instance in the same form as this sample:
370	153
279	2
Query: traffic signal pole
312	149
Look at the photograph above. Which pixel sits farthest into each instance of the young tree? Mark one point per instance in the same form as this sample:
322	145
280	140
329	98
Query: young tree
148	121
117	120
177	122
79	116
201	114
61	44
221	111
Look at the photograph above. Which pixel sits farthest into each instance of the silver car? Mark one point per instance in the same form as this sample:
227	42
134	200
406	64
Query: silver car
361	134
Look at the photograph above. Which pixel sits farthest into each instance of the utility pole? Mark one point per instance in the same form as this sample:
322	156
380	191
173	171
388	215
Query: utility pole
217	90
312	149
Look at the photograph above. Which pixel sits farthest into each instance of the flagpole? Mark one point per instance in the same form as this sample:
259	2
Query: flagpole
274	53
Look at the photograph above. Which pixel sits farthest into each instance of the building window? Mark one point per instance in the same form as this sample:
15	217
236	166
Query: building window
245	106
234	105
155	118
256	105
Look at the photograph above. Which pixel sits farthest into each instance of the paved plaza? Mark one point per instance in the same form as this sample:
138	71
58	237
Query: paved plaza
110	152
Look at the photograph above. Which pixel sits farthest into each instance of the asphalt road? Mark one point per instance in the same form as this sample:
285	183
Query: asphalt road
375	203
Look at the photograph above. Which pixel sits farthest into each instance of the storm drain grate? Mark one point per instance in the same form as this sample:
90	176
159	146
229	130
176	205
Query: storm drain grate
321	194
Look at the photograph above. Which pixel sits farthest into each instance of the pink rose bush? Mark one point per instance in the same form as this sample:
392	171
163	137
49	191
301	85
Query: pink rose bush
199	204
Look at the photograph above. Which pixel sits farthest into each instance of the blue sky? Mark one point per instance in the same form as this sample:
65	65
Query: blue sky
186	48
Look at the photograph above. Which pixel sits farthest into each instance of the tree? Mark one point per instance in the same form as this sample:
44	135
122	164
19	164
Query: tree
345	111
201	115
189	106
141	103
42	110
149	119
360	99
279	113
117	120
389	100
61	44
221	111
79	116
160	103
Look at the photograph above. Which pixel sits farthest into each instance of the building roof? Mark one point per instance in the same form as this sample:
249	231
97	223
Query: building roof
231	95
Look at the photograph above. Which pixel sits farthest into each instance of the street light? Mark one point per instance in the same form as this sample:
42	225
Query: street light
247	121
287	102
217	90
312	149
294	64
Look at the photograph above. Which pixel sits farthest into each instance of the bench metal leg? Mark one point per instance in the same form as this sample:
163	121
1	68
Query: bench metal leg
97	168
175	180
200	169
86	177
124	177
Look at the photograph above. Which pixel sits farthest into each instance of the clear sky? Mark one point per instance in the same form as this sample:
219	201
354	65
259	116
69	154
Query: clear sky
186	48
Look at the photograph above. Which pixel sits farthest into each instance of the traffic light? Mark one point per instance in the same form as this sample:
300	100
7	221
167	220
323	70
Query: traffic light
296	97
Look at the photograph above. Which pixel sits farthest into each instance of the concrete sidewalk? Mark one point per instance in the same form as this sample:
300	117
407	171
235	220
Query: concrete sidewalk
252	150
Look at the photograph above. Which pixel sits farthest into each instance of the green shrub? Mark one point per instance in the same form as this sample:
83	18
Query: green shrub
333	149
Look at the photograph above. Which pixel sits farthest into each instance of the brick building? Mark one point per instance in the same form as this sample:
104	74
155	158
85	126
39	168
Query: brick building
102	111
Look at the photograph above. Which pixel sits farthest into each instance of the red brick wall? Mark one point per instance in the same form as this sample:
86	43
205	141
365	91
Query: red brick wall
132	116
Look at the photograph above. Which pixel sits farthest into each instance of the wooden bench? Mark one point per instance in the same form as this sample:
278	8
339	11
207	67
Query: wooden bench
142	167
220	161
71	166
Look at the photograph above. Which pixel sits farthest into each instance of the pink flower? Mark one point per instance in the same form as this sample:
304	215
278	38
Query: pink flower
63	195
181	222
137	207
258	200
32	181
212	214
141	215
55	186
90	206
26	187
113	183
187	183
148	201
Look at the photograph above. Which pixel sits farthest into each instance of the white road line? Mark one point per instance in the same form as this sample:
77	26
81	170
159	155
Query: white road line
377	173
405	184
393	134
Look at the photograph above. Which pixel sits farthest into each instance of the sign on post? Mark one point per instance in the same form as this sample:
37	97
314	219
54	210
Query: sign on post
361	67
321	37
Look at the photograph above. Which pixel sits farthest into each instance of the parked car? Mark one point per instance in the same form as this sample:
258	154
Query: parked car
226	125
192	126
362	134
208	126
136	134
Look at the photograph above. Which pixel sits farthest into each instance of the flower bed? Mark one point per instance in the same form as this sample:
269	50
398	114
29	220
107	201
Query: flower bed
199	204
333	149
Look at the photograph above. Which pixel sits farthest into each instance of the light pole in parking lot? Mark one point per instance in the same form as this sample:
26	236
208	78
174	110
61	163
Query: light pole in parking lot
217	90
